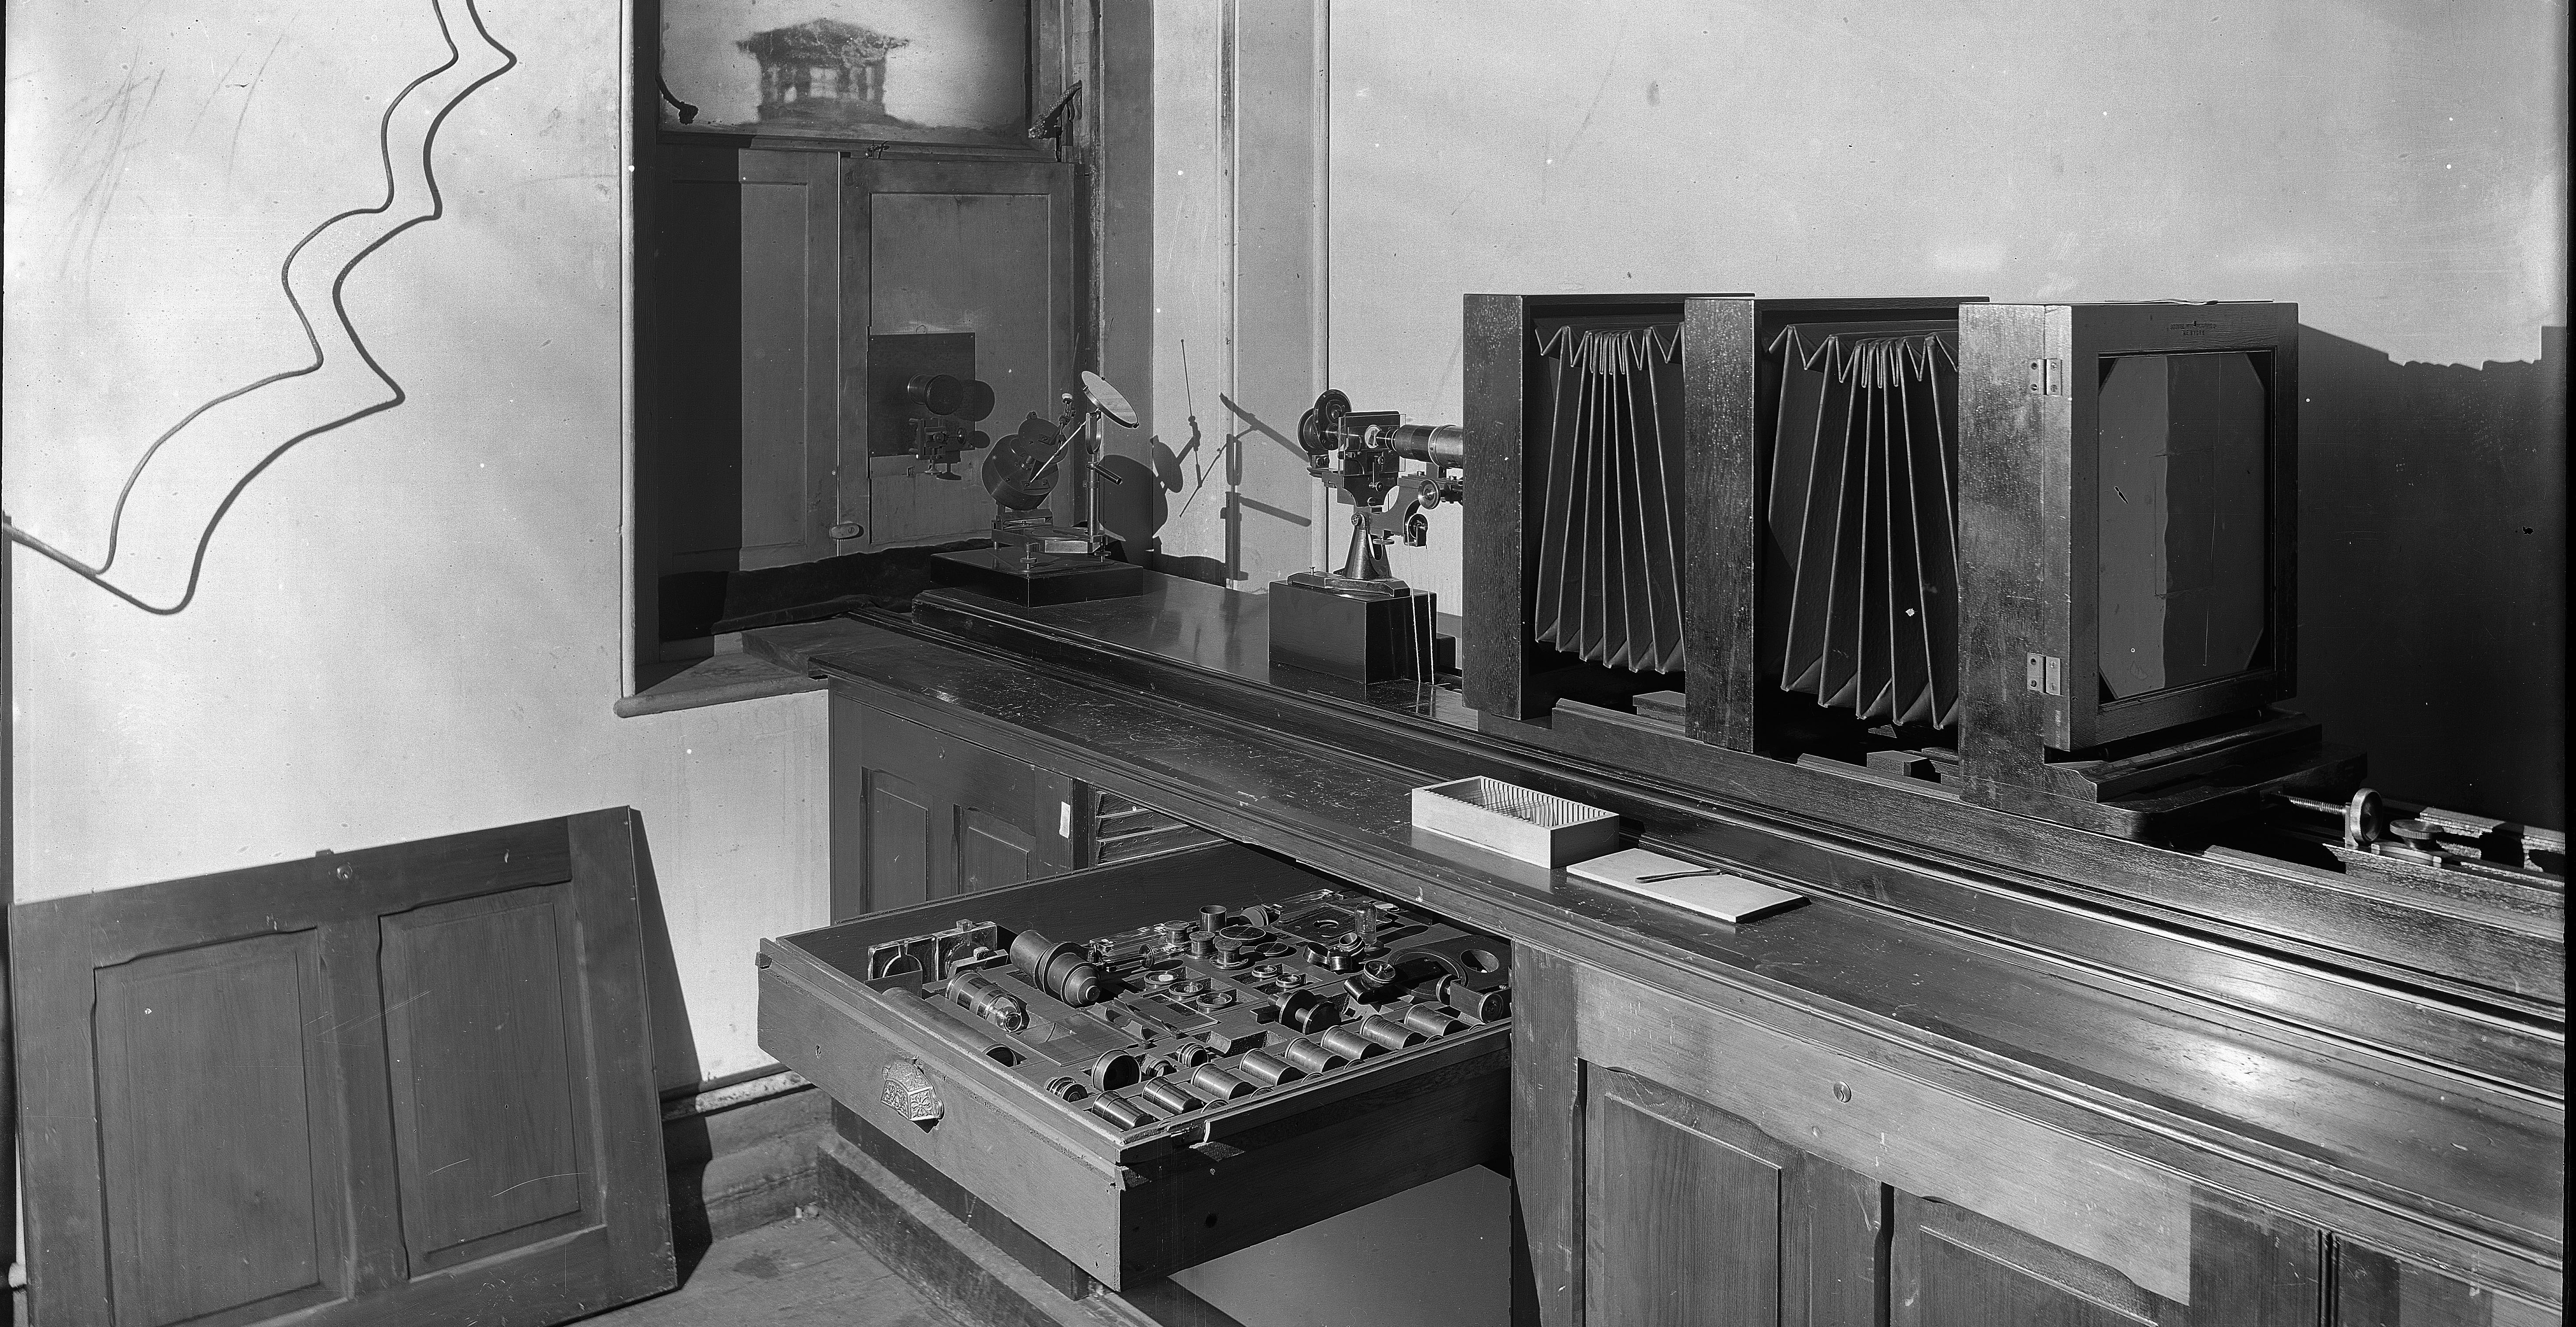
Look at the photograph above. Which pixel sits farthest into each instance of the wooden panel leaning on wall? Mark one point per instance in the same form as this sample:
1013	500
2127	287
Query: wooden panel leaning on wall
410	1084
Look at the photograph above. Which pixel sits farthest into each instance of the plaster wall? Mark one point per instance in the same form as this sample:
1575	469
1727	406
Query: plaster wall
405	626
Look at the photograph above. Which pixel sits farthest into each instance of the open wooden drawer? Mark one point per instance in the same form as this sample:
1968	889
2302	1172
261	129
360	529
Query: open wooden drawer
1005	1072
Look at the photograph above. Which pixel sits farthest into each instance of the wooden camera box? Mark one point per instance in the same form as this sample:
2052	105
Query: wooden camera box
1152	1064
2128	505
1575	533
2042	555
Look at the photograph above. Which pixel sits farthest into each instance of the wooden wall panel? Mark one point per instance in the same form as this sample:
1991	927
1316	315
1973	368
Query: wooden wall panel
487	1124
214	1189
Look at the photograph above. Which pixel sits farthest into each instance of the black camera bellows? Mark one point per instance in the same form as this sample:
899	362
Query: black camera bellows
1609	586
1863	518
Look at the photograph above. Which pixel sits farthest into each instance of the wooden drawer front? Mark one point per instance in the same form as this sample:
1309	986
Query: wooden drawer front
1148	1200
1013	1159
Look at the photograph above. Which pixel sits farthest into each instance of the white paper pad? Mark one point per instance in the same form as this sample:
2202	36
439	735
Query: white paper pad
1702	889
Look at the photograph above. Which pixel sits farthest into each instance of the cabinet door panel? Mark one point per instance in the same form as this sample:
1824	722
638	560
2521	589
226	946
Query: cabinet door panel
1648	1203
898	838
250	1226
1955	1268
919	814
742	356
1692	1215
2373	1289
2253	1268
1835	1255
1682	1227
951	246
402	1085
991	851
480	1166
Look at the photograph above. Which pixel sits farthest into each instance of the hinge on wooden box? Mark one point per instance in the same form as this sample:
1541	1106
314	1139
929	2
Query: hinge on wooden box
2048	377
2043	673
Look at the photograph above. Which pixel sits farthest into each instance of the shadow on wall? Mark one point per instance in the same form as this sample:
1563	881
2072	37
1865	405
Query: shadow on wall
1135	504
686	1146
2432	572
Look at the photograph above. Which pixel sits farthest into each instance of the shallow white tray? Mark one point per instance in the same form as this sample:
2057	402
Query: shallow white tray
1501	817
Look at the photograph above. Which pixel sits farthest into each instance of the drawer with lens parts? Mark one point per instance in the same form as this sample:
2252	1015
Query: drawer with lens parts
1160	1021
1148	1064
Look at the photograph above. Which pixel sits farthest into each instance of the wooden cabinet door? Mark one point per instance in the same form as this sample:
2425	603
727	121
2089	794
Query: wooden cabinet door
1692	1216
2374	1289
741	357
402	1085
920	815
1954	1268
985	247
1645	1203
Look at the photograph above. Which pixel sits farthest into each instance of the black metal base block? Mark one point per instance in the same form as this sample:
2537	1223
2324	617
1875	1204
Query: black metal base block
1056	579
1339	635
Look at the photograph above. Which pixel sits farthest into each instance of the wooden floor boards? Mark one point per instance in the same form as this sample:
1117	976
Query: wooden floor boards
800	1273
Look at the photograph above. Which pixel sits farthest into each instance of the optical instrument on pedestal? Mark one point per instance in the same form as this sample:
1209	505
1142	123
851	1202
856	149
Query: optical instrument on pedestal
1361	622
1034	560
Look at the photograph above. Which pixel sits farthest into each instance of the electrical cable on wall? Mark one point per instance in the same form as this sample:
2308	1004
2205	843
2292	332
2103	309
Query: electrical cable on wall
97	575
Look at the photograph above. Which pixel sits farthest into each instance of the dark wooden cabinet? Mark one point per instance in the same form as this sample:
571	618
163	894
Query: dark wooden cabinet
787	297
1828	1191
919	814
1952	1089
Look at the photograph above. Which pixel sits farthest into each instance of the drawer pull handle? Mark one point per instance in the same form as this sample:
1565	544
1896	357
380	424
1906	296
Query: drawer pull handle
909	1093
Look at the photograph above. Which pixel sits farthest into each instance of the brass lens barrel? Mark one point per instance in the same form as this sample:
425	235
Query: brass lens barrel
1440	444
